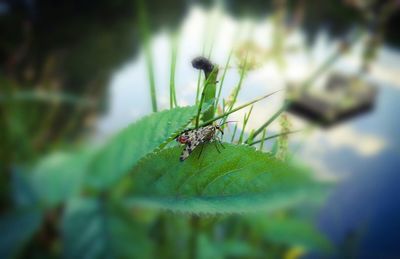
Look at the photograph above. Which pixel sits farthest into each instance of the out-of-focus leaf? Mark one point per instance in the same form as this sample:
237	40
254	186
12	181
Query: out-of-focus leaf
93	229
59	176
207	248
16	229
134	142
42	96
239	179
22	190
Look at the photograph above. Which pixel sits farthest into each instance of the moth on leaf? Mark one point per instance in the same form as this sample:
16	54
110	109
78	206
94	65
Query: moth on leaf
194	137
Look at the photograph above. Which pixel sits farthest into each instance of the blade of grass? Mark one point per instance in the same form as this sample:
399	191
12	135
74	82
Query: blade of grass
263	138
234	133
274	136
268	122
245	119
237	108
145	35
223	77
233	110
203	50
214	27
244	69
174	51
251	136
198	87
236	93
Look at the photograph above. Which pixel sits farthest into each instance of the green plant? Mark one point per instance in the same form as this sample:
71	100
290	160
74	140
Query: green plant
139	169
116	200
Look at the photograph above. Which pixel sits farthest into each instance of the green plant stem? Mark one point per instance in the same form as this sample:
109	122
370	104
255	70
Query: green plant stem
234	133
198	87
143	24
245	119
237	108
223	77
263	138
172	92
244	69
207	95
232	111
213	24
203	50
268	122
274	136
237	90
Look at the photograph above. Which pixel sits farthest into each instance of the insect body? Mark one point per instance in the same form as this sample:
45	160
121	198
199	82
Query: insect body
193	138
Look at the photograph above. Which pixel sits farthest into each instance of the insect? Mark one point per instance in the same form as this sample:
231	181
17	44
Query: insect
195	137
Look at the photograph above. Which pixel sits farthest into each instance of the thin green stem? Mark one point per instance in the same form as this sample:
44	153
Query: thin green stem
274	136
198	87
244	69
223	77
237	90
214	27
203	50
262	137
234	133
245	119
174	51
237	108
143	24
268	122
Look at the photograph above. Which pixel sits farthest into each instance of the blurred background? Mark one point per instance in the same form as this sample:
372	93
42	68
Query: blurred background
74	72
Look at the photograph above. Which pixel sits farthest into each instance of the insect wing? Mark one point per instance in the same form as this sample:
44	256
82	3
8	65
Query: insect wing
195	139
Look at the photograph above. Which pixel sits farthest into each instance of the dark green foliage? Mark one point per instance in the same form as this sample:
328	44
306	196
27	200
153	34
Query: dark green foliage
93	228
18	227
59	176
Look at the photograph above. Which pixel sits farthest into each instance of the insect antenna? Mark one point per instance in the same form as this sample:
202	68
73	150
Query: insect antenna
226	122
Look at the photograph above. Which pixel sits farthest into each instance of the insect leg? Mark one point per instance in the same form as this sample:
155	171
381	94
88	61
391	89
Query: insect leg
216	146
220	142
201	151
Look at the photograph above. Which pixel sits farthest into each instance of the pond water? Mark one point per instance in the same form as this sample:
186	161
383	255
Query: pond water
362	153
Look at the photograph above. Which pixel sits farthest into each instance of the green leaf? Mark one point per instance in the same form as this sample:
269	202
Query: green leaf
16	229
59	176
94	229
134	142
239	179
22	190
